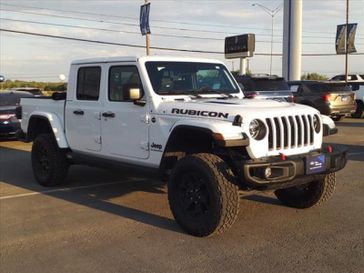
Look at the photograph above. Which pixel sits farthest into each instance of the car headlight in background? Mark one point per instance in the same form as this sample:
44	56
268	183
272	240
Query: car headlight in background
316	123
257	129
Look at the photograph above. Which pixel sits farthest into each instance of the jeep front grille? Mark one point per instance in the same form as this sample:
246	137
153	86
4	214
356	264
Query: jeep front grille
290	132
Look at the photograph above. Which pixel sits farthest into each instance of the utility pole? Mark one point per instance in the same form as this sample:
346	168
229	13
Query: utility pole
147	38
347	41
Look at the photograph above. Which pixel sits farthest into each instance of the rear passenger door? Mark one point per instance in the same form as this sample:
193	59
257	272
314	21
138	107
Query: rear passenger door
83	110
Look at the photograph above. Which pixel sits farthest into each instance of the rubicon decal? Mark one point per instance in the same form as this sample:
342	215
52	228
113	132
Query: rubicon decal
190	112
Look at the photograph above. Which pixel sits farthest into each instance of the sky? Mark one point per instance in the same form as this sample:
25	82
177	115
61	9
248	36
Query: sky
183	24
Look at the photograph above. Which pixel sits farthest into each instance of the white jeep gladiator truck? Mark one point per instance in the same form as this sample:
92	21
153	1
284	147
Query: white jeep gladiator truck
187	120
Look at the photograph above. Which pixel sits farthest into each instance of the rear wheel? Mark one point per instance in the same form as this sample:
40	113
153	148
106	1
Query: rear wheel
202	194
308	195
49	163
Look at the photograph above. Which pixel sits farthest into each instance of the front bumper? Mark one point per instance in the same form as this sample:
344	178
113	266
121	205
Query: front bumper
8	129
289	171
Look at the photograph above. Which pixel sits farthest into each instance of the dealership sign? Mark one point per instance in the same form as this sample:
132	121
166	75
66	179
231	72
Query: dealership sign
341	32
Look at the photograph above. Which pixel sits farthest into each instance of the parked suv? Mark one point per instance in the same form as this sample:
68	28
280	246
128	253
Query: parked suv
264	86
333	99
357	83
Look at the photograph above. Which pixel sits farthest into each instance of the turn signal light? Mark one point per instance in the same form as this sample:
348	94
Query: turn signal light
326	97
6	116
218	136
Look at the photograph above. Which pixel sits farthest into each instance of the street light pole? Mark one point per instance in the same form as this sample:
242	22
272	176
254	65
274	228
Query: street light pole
271	13
347	41
147	38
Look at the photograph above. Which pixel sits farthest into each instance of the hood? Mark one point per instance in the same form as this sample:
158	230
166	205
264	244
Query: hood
227	109
7	109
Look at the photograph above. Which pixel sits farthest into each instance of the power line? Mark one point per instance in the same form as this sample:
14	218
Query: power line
154	47
138	33
114	22
133	18
158	27
159	20
111	30
106	43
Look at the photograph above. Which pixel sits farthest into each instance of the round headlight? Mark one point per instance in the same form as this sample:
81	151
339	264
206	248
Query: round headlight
316	123
257	129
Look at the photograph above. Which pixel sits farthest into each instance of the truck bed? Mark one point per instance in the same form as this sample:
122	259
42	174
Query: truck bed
41	106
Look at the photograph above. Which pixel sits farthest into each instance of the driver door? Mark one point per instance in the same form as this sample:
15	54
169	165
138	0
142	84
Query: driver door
124	124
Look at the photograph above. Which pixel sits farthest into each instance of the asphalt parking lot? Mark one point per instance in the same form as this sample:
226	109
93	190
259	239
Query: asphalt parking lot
105	221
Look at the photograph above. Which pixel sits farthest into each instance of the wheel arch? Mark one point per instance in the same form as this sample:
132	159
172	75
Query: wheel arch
40	123
200	137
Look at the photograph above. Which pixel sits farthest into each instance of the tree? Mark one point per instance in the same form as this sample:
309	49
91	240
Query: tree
314	76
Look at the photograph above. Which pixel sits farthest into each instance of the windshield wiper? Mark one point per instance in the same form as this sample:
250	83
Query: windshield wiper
207	89
191	93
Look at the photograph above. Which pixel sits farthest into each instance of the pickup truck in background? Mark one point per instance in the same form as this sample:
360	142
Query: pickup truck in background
336	100
264	86
357	83
187	120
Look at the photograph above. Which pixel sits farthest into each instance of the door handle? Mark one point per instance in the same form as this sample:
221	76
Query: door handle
78	112
108	115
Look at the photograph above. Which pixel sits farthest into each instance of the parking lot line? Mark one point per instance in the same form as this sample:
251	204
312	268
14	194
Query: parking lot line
358	153
67	189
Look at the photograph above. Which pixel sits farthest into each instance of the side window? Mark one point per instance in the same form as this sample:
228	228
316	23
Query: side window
88	83
121	79
294	88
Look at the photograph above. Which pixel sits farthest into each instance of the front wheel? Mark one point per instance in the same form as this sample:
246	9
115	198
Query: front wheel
308	195
49	162
203	195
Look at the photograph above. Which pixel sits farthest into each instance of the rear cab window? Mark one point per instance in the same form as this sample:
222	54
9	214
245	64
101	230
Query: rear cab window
88	83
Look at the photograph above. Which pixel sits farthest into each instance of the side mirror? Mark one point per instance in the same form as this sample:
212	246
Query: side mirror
241	86
135	94
59	95
355	87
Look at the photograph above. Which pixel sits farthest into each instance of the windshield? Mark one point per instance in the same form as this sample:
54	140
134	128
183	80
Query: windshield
176	78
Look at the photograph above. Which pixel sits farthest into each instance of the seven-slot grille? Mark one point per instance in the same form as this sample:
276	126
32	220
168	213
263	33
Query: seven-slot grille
290	132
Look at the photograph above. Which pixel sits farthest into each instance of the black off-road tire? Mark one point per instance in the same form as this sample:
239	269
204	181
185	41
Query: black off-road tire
337	118
359	110
49	162
203	194
312	194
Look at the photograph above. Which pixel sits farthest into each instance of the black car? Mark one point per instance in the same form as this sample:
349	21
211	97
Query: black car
263	86
333	99
9	101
